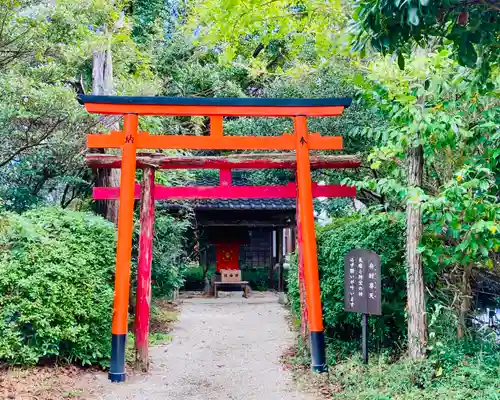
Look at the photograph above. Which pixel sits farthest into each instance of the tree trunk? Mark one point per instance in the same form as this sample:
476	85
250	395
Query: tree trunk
465	301
102	84
417	316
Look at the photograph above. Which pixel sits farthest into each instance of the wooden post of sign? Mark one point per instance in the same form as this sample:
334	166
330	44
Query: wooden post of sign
143	293
119	327
365	337
311	274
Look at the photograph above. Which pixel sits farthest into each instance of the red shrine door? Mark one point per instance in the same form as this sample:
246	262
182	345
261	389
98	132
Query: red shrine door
228	241
227	256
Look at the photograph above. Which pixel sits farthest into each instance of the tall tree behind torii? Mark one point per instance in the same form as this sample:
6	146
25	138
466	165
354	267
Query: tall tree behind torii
102	84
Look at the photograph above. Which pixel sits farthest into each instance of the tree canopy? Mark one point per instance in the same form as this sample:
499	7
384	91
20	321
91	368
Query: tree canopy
471	26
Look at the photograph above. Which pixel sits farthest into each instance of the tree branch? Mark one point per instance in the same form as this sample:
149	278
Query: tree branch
28	146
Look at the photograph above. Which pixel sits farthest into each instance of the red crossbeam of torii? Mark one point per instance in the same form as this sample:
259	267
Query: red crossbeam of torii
289	191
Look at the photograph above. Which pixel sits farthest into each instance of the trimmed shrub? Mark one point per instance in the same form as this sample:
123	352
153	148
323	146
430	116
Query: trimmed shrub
56	287
258	278
193	278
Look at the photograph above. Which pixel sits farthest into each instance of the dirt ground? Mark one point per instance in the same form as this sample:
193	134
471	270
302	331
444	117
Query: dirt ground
46	383
225	348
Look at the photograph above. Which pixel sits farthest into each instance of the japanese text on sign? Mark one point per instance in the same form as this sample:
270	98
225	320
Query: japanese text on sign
362	282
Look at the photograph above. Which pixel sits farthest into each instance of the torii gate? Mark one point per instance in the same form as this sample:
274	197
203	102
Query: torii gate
129	140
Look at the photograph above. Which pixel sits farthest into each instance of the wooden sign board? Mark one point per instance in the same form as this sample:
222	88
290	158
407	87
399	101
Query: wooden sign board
230	275
362	283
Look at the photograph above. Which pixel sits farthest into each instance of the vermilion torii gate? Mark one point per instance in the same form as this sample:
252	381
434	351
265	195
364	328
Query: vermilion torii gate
301	141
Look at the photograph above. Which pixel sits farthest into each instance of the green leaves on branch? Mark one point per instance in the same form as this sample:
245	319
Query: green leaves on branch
391	26
467	215
435	103
238	28
46	58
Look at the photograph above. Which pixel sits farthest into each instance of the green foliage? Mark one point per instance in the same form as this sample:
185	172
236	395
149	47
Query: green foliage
46	58
56	292
437	104
148	17
467	212
456	370
396	25
388	27
293	285
193	277
384	234
191	71
258	278
168	262
239	30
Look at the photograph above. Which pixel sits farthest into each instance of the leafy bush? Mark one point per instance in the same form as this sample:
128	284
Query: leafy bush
56	287
384	234
456	371
258	278
193	277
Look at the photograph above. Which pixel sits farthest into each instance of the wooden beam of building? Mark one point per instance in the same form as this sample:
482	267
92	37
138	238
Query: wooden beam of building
228	192
236	161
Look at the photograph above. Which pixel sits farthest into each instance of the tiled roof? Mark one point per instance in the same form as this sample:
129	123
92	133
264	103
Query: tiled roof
244	204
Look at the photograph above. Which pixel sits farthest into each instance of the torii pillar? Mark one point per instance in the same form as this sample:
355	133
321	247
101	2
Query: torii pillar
311	274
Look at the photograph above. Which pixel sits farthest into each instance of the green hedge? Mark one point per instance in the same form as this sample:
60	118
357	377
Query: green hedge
56	287
384	234
193	278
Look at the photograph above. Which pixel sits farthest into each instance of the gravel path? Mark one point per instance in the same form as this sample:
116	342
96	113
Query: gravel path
222	349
